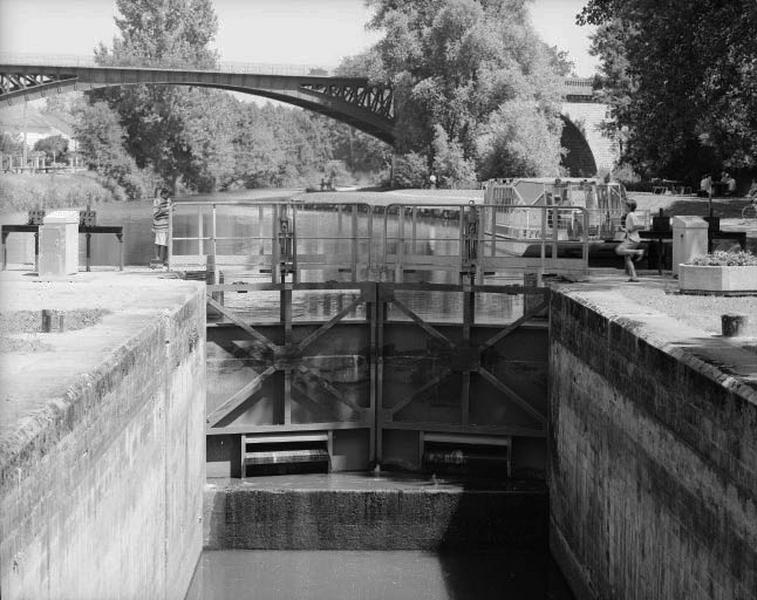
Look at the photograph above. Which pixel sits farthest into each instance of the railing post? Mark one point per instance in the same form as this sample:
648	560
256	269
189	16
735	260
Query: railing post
200	232
169	250
399	267
213	245
354	257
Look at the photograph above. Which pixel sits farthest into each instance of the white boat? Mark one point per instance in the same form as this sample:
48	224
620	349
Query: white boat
532	213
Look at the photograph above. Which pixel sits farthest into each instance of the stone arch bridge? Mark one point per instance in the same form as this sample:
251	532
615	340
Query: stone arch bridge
356	101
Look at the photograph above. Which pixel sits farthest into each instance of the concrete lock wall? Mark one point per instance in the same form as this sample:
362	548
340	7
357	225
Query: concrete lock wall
653	463
107	501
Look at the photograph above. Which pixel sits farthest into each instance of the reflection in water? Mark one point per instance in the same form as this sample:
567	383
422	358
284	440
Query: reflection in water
385	575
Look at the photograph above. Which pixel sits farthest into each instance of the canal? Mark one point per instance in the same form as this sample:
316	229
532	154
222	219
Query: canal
333	574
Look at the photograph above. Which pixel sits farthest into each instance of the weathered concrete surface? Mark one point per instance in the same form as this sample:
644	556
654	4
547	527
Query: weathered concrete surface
343	511
653	452
102	439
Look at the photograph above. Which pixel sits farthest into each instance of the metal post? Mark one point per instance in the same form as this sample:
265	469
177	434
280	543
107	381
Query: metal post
169	250
285	313
200	232
354	256
36	250
293	246
415	231
399	267
88	237
213	244
370	315
275	248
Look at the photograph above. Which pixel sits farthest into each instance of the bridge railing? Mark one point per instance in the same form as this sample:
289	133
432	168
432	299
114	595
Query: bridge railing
73	60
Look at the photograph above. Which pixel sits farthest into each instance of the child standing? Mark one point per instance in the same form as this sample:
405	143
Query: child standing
160	207
629	247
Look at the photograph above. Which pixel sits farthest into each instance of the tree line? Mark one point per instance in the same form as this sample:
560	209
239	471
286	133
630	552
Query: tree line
477	95
680	78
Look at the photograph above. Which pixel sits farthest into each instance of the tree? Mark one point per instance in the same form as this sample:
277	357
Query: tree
681	80
410	170
453	63
178	133
449	165
55	147
101	143
10	144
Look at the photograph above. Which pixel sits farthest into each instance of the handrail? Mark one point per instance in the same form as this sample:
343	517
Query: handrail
482	244
284	259
473	234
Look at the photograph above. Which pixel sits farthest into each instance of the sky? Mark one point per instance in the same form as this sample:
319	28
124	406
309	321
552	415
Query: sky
296	32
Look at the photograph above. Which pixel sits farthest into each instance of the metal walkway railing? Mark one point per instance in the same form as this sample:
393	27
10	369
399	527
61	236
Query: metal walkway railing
298	242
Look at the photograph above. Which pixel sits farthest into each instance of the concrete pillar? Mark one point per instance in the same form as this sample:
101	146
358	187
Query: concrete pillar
59	244
689	239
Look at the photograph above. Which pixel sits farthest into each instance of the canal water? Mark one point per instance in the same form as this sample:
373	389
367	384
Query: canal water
243	233
363	575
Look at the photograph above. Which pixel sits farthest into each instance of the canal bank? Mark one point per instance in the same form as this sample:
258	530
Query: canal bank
653	453
102	447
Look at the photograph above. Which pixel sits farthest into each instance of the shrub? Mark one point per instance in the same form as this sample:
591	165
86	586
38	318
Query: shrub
28	191
410	171
721	258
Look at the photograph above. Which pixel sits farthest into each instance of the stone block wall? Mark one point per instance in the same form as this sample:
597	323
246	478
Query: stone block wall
101	491
653	460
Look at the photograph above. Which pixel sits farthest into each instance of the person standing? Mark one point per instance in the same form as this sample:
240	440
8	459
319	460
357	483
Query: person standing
705	186
629	247
160	207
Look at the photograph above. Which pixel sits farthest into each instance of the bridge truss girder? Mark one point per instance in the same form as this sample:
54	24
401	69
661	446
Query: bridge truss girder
354	101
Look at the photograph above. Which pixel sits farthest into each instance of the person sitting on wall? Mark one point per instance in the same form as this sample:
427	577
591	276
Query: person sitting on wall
629	247
160	207
752	193
730	183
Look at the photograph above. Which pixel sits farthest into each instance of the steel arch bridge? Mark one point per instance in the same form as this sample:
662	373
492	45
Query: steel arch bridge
367	107
355	101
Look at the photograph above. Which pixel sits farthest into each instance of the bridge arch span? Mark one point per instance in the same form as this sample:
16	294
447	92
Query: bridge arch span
355	101
579	160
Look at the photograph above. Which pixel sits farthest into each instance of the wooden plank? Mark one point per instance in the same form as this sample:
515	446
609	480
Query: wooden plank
512	395
325	385
428	426
446	437
241	324
422	324
238	398
330	323
280	438
419	392
297	287
512	327
253	429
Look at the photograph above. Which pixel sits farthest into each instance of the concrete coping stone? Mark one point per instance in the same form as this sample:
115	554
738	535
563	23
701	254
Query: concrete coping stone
716	357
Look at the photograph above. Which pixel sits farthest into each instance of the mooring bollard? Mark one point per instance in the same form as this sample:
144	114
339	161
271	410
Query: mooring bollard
733	324
52	321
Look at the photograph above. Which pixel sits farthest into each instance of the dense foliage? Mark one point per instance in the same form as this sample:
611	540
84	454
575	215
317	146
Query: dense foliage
473	82
477	93
55	148
721	258
197	138
681	80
